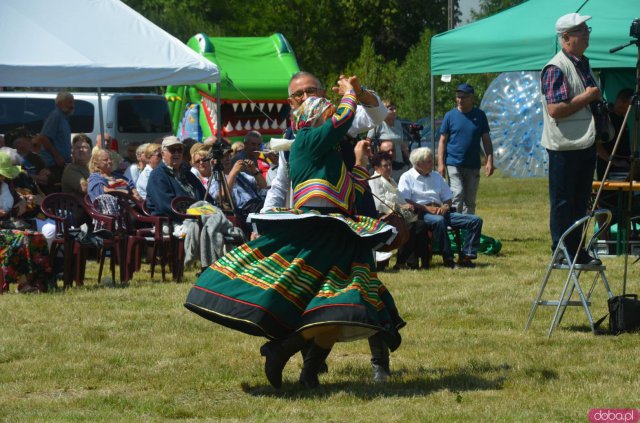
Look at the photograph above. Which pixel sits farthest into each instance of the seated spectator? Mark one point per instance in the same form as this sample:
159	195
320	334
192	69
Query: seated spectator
387	198
76	174
398	168
251	148
200	164
27	148
8	196
170	179
431	197
101	181
153	157
133	171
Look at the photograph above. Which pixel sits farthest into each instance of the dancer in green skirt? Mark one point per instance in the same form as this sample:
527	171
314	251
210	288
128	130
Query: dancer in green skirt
310	276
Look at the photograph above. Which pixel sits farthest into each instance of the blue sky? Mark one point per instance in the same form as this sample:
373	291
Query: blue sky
465	8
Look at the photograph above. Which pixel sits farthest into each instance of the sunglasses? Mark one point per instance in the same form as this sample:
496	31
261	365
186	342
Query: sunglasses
174	150
201	161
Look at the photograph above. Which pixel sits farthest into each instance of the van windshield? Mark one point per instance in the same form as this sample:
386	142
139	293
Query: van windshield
143	116
32	112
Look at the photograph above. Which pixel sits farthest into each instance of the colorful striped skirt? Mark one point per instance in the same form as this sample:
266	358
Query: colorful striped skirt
306	269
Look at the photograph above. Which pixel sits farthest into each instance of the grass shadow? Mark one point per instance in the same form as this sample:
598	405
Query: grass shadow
403	383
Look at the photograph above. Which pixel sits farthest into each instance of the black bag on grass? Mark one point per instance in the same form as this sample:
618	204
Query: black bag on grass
624	314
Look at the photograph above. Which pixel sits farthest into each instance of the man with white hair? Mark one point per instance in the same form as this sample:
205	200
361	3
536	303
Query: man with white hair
431	196
569	89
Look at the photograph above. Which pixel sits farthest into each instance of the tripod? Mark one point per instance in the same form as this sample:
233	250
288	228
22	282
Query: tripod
633	168
224	197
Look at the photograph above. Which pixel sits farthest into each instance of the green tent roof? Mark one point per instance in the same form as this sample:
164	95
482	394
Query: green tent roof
523	37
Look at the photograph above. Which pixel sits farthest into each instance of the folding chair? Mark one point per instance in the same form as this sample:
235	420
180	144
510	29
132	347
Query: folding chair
574	270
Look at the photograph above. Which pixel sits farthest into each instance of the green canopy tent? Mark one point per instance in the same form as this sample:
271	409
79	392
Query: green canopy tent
523	38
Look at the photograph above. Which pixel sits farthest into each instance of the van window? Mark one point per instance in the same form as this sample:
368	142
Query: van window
32	112
143	116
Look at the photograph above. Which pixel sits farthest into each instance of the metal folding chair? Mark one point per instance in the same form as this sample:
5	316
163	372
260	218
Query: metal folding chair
574	270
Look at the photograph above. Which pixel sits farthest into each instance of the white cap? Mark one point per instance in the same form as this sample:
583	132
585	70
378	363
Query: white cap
570	20
169	141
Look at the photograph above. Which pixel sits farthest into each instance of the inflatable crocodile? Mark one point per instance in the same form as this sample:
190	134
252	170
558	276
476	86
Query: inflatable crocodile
254	76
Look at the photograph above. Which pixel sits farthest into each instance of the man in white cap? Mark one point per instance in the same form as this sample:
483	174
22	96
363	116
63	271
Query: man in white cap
568	90
170	179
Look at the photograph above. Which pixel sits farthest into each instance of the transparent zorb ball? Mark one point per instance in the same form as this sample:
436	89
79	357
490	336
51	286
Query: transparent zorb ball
513	104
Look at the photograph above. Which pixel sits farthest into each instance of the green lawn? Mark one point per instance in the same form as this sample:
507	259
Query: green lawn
136	354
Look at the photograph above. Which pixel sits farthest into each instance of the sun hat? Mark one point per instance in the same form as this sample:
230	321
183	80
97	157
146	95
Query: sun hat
7	169
309	111
570	20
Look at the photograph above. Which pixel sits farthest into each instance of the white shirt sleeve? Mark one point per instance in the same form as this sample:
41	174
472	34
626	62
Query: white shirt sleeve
368	117
404	186
277	194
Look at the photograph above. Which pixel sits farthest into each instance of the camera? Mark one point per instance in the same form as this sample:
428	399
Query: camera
634	31
218	150
600	110
415	129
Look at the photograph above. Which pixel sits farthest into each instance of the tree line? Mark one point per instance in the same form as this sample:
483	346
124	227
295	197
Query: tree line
385	42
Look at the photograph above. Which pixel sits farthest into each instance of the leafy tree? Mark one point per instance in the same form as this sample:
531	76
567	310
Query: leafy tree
326	35
413	85
491	7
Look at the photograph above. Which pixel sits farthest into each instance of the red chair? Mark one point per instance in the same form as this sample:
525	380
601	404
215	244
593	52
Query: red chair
112	224
143	229
70	212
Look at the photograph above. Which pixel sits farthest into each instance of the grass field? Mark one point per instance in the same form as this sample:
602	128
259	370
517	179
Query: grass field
136	354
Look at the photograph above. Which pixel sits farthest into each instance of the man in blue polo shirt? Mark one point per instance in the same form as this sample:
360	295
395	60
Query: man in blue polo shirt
462	130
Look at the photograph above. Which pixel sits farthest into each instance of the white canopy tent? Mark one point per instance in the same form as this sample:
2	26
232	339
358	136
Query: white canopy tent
91	43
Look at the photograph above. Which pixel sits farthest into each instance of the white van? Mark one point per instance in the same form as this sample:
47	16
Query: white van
128	117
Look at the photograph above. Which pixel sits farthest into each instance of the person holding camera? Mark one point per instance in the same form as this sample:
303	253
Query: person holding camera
463	129
568	89
390	130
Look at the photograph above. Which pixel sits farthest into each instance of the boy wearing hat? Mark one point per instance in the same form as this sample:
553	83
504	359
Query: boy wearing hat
463	129
569	88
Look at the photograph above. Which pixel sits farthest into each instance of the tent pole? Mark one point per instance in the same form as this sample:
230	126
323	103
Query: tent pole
218	112
101	117
433	115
